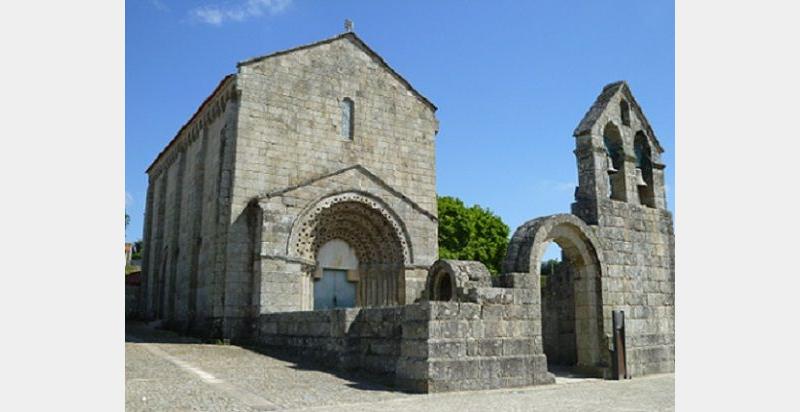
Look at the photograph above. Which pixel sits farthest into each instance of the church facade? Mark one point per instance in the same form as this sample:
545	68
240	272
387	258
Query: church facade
297	209
309	170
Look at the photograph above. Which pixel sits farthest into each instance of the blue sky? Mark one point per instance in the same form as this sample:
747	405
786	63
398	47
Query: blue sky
511	80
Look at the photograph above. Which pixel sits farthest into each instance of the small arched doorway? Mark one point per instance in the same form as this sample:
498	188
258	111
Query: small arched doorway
571	308
557	286
570	291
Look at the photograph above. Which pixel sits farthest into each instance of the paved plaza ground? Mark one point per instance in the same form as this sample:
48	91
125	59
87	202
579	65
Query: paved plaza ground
166	372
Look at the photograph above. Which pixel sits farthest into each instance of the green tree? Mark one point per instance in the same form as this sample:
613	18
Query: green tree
137	246
549	266
127	220
471	233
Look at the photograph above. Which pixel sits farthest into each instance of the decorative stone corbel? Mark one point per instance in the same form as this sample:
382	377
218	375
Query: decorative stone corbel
353	275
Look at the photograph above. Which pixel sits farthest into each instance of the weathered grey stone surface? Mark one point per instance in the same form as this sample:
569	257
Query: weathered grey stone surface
425	347
458	280
635	235
558	315
245	380
263	177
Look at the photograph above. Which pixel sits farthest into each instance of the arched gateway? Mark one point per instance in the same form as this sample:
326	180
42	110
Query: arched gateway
358	245
584	327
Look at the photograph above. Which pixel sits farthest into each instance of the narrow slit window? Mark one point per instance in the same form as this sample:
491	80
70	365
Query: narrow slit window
348	124
625	112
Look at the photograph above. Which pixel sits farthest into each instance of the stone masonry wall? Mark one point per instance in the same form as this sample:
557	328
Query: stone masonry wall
272	126
424	347
285	278
288	136
636	241
181	227
558	315
472	346
290	115
638	246
366	339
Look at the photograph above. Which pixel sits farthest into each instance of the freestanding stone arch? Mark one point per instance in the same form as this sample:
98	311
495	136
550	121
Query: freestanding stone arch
373	231
454	280
579	246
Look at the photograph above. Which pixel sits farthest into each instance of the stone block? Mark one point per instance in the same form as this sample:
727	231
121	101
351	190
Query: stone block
517	347
412	368
525	296
444	310
414	348
490	347
512	367
447	349
494	311
469	311
415	330
449	329
417	312
490	369
495	329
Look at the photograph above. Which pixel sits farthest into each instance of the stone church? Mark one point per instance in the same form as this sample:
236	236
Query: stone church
297	209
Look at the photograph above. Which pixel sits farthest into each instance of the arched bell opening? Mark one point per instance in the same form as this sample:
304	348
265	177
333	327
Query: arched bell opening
615	167
644	170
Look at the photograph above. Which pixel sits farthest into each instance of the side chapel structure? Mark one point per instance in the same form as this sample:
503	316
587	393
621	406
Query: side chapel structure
297	208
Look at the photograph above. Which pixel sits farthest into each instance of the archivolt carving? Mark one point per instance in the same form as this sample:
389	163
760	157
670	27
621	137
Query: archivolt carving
365	223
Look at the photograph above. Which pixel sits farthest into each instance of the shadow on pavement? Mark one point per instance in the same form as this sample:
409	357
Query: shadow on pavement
141	332
358	380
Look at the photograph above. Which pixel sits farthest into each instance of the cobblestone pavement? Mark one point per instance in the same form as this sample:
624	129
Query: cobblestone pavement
164	372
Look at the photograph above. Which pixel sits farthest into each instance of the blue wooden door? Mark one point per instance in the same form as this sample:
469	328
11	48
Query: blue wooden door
334	291
344	291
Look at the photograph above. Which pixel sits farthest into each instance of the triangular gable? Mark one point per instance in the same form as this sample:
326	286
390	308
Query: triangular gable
360	44
359	169
601	103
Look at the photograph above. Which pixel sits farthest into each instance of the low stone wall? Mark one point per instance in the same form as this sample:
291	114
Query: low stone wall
470	346
365	339
423	347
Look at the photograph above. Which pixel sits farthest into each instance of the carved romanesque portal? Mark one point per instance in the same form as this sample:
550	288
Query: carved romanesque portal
360	235
573	299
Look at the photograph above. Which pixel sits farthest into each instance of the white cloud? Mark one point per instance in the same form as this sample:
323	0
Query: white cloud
554	186
159	5
216	15
128	200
